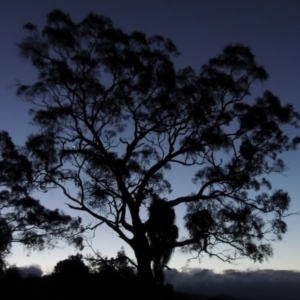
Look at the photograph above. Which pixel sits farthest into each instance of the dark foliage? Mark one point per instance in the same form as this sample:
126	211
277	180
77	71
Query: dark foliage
22	218
12	273
162	233
71	267
82	287
113	267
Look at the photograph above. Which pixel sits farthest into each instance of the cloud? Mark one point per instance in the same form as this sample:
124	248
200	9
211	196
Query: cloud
256	285
32	270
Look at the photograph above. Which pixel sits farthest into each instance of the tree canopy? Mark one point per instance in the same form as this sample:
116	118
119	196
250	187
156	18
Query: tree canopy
73	266
22	218
113	267
114	115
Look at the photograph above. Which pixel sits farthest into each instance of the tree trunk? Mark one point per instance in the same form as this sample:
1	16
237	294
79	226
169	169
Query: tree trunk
143	254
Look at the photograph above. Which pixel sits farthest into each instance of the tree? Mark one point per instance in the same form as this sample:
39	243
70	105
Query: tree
12	273
73	266
118	266
22	218
114	114
5	237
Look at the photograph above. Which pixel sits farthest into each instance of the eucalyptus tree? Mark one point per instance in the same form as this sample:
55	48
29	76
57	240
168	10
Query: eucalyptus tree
114	115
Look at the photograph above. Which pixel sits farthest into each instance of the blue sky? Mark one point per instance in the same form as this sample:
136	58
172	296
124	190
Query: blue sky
200	30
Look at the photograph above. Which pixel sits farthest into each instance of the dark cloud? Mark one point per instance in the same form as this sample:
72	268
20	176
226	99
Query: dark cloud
256	285
32	270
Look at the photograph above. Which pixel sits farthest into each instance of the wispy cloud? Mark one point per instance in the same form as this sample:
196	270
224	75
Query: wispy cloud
256	285
32	270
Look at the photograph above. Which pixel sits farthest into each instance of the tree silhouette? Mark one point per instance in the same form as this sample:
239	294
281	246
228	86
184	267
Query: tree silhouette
12	273
118	266
114	115
5	245
162	233
22	218
72	266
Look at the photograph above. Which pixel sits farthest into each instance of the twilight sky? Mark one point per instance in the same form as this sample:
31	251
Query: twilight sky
200	29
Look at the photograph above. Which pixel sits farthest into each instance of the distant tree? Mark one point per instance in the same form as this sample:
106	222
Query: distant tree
72	266
12	273
5	244
22	218
114	114
119	266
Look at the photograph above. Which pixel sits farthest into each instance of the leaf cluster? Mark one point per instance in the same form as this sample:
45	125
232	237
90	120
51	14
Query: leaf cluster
24	219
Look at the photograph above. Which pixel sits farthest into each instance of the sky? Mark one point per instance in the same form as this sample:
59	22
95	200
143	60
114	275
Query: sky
200	29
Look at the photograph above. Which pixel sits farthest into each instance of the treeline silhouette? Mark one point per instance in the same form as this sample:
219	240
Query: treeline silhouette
90	276
66	286
72	278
